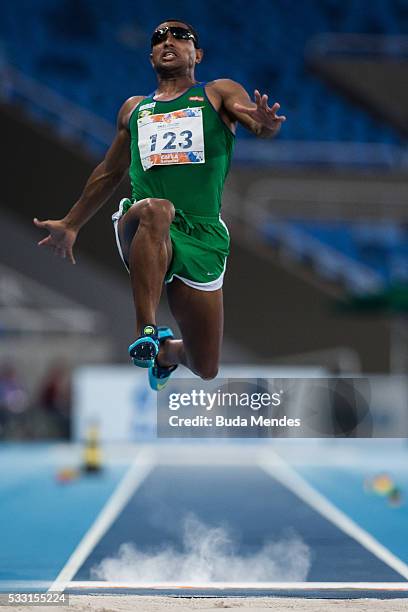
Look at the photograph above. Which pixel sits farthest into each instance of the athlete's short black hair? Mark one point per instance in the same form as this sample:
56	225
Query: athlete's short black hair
190	27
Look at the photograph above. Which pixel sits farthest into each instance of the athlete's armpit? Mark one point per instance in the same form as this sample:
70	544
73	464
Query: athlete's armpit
117	158
231	93
256	115
126	110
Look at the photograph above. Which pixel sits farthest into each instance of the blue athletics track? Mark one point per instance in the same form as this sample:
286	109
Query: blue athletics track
330	532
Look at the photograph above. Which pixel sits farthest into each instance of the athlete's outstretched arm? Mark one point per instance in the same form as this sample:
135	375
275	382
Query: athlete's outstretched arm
256	116
99	187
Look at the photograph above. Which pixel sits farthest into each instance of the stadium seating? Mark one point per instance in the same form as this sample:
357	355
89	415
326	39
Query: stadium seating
96	53
363	256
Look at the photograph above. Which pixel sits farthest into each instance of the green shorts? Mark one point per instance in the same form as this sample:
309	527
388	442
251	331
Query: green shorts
200	249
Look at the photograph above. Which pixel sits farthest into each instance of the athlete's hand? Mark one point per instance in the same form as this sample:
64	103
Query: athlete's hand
60	239
263	114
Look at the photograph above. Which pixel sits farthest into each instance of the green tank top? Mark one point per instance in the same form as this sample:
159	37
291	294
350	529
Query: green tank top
181	151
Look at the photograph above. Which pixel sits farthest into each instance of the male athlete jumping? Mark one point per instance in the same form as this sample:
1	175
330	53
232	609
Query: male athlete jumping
176	144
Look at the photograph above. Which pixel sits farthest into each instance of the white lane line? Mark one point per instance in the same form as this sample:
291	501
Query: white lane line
244	586
276	467
140	468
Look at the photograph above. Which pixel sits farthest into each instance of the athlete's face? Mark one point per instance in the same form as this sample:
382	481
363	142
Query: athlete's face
174	54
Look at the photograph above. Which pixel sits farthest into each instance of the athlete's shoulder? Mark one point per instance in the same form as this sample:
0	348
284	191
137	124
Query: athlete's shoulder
127	108
225	90
223	85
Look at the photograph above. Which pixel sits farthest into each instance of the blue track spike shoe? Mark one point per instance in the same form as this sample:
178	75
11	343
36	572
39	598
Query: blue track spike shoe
146	348
159	375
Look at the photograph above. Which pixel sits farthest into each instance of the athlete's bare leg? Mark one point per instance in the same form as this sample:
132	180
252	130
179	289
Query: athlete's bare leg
200	316
146	246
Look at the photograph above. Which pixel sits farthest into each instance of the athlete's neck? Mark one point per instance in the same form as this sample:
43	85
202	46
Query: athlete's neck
172	86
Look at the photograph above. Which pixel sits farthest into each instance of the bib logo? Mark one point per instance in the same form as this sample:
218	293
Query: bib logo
150	105
146	109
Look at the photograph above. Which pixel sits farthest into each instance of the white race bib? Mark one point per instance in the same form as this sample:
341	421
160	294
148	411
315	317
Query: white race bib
171	138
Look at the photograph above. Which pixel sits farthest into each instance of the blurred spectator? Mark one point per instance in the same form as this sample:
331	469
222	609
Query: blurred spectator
13	401
55	398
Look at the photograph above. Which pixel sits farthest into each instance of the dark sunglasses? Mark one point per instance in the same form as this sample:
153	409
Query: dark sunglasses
176	31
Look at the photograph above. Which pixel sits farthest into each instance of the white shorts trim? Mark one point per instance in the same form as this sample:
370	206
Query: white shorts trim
115	226
115	218
225	225
119	213
211	286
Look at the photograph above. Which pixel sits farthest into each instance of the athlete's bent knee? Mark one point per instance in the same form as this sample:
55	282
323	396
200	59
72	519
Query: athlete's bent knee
157	212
